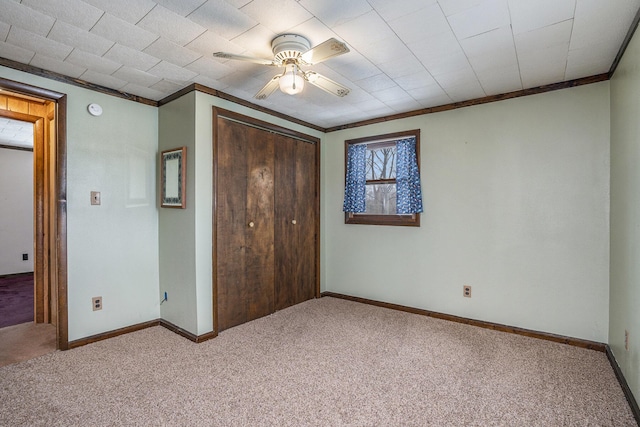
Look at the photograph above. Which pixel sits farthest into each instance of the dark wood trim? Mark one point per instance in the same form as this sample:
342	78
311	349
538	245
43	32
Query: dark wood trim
625	43
188	335
61	221
60	257
214	221
138	327
633	403
236	100
318	214
576	342
113	334
13	147
74	82
478	101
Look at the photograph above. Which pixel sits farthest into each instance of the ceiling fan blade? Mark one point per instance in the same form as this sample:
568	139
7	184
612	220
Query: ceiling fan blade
269	88
260	61
324	51
326	84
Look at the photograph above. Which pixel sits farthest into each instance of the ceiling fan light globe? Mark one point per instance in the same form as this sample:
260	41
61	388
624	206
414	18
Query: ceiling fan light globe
287	85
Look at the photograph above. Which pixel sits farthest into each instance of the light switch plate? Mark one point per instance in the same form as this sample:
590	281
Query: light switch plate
95	197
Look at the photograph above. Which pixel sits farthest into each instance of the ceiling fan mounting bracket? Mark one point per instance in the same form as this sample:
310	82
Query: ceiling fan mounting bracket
289	46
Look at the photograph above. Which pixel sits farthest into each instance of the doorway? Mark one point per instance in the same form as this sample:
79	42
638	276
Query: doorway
46	110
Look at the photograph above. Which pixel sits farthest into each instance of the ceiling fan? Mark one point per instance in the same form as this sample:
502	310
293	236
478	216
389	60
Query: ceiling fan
291	51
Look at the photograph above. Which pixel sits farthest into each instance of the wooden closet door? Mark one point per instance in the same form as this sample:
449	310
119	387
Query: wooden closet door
296	220
244	223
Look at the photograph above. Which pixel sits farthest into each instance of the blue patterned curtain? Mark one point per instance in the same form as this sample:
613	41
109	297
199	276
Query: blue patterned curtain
409	193
356	179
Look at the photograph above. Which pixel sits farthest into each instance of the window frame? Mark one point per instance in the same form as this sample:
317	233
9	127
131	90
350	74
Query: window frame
410	220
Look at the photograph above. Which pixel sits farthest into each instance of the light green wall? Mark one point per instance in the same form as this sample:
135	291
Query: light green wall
516	197
625	214
177	226
112	248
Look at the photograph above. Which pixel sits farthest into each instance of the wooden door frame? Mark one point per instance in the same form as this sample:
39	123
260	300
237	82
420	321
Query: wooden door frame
57	256
220	113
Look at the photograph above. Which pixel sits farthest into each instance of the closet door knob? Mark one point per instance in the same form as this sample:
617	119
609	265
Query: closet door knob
293	221
251	224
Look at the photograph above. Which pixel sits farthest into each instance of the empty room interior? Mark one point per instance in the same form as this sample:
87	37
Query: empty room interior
315	212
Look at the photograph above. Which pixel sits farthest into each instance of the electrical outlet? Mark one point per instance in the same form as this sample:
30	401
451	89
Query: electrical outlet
97	303
466	291
25	257
626	340
95	197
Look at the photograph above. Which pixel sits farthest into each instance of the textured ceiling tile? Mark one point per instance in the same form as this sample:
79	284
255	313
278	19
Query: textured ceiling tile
209	82
131	57
353	66
127	10
167	87
461	77
447	64
415	80
500	80
62	67
74	12
375	83
364	30
16	53
472	90
169	51
181	7
168	71
546	37
385	50
498	40
595	23
210	42
123	32
437	46
391	10
540	67
17	14
256	41
596	59
140	78
498	59
394	93
404	105
314	31
210	68
487	16
530	15
336	12
421	25
403	67
428	93
451	7
171	26
4	31
92	62
222	18
30	41
103	80
146	92
81	39
277	15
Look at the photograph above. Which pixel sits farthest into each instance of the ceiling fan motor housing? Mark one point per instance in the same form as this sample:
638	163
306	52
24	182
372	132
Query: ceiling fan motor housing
289	46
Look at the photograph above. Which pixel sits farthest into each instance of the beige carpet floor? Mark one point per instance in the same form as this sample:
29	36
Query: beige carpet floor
26	341
326	362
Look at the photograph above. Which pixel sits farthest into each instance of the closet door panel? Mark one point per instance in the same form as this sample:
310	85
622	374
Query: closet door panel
231	196
260	224
295	221
286	246
307	219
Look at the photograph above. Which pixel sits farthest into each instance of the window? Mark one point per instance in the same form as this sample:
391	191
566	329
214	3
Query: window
382	185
